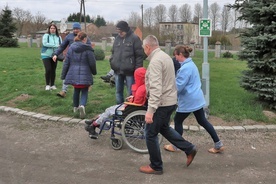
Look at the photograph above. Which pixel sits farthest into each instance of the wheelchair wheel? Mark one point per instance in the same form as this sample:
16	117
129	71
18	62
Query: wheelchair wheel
133	131
116	143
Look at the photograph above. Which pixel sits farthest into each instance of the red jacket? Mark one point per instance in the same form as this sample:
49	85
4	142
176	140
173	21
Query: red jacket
139	87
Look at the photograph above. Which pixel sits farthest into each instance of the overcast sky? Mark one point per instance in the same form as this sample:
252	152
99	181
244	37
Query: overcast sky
110	10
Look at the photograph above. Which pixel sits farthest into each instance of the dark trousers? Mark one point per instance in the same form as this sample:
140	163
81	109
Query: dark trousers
161	124
200	118
50	71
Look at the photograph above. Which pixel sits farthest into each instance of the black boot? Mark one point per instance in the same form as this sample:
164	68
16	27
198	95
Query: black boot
106	78
88	122
92	132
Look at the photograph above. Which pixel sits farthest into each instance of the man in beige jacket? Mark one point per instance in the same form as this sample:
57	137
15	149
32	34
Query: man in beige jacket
162	98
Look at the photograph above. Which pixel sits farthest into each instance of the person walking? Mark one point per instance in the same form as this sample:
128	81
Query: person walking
50	42
69	39
162	98
191	98
127	55
77	70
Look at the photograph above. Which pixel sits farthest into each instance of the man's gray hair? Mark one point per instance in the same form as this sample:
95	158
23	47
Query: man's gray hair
151	40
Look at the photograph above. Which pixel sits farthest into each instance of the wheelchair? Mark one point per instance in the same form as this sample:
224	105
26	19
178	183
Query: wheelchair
127	126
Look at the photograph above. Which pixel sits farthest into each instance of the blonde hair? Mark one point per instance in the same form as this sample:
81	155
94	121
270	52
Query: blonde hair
80	36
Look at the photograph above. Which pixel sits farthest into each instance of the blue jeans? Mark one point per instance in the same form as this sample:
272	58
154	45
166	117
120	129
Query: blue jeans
64	87
161	124
80	96
200	118
120	82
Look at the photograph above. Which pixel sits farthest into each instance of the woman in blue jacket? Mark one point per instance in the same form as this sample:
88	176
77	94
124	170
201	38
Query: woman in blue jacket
78	68
190	98
50	42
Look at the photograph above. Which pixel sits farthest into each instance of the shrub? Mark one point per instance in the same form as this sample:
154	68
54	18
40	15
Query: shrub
99	54
8	42
227	55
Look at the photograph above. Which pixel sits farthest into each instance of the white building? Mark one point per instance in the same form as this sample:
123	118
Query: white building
180	32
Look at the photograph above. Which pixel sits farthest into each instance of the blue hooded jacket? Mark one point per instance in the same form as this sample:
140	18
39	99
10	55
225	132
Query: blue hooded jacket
79	65
190	96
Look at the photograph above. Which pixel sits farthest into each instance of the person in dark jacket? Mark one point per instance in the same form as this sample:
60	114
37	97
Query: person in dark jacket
127	55
176	65
69	39
77	70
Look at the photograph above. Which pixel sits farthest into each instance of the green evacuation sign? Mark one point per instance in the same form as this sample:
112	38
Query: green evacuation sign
205	27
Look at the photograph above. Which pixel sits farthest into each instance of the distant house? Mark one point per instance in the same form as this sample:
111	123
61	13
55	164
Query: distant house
95	34
180	32
68	26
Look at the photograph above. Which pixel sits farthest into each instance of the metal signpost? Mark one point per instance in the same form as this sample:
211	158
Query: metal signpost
205	31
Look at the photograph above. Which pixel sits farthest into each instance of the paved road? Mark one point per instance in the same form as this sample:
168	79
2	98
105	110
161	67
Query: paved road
33	151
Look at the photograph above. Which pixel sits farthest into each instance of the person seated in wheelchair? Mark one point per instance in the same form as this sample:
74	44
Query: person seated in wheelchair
136	100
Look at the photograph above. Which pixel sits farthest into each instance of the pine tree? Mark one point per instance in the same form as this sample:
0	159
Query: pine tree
7	27
100	22
259	43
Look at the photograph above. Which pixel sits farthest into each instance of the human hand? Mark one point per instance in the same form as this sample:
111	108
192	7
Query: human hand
149	117
129	99
54	58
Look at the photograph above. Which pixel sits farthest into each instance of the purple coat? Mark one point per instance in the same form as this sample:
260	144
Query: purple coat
79	65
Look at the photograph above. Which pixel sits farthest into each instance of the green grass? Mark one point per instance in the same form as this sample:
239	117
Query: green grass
22	74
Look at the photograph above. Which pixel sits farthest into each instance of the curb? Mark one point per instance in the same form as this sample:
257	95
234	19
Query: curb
246	128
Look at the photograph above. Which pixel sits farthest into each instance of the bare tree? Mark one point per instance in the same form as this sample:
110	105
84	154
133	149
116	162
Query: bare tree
225	18
173	13
160	13
198	11
214	15
185	13
235	17
134	19
21	17
238	23
148	18
39	21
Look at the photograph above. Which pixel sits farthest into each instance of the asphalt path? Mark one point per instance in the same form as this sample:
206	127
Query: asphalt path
34	151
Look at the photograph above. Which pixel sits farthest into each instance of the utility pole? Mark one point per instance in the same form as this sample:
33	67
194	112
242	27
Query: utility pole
205	65
82	7
142	21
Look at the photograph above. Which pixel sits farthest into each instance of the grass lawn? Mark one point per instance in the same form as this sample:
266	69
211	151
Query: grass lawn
23	86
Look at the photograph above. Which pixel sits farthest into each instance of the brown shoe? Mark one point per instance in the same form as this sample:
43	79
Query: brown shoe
148	170
191	156
214	150
61	94
171	148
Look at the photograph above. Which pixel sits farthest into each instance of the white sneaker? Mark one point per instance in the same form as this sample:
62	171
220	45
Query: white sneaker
75	109
53	87
47	88
82	111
